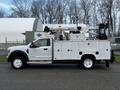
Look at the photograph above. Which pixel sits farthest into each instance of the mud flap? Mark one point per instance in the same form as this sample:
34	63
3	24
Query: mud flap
112	56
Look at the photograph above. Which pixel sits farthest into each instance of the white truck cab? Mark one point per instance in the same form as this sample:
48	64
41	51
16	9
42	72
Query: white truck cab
59	48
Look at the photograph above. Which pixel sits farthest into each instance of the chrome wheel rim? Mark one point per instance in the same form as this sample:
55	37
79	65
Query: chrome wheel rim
17	63
88	63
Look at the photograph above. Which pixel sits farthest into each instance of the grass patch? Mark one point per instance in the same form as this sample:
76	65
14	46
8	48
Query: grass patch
3	59
117	58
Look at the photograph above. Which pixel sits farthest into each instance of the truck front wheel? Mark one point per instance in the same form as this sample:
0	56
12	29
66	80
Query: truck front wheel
88	63
17	63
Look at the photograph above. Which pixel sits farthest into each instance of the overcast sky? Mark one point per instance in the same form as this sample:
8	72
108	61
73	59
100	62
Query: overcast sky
6	5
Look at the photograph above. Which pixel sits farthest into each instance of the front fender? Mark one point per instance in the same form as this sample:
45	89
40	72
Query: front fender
17	53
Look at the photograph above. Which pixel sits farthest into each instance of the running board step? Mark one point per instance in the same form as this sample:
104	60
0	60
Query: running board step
39	62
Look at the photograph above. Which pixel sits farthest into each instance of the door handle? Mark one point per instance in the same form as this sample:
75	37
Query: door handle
45	49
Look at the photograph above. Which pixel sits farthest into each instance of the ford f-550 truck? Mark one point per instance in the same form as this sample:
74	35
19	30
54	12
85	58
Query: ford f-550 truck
55	48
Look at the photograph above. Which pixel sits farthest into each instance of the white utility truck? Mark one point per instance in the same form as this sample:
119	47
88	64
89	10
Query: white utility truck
62	45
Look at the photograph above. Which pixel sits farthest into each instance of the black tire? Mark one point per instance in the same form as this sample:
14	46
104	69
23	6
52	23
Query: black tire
18	63
107	63
91	62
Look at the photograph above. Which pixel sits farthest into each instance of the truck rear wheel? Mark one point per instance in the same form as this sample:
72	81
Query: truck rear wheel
17	63
88	63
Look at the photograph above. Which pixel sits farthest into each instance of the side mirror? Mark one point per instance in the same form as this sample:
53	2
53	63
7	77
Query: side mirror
32	45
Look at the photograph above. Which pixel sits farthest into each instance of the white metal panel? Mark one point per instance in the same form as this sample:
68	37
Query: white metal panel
74	50
93	46
88	45
68	50
65	26
104	50
40	53
78	37
57	50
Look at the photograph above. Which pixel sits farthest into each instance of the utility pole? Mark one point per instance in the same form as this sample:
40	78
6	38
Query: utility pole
76	14
5	42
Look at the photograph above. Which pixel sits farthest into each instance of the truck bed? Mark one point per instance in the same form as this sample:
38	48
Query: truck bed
74	50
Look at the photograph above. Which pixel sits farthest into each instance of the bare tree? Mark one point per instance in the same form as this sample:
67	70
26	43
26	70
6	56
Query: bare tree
2	13
118	34
105	13
60	11
38	10
86	7
51	9
70	11
110	18
73	11
21	8
90	12
115	14
94	13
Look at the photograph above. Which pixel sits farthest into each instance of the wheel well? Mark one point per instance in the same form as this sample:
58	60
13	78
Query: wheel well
18	54
88	56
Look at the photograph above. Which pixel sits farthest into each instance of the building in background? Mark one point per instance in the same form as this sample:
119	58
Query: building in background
12	28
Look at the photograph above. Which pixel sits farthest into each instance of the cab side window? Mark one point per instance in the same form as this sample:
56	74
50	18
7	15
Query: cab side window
42	42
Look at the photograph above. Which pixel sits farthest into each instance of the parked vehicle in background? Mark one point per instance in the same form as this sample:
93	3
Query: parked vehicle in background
115	43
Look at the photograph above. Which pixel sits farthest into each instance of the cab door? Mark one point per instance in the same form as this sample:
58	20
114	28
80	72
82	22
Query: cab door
41	50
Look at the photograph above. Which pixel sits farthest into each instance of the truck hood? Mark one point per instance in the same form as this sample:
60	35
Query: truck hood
23	48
